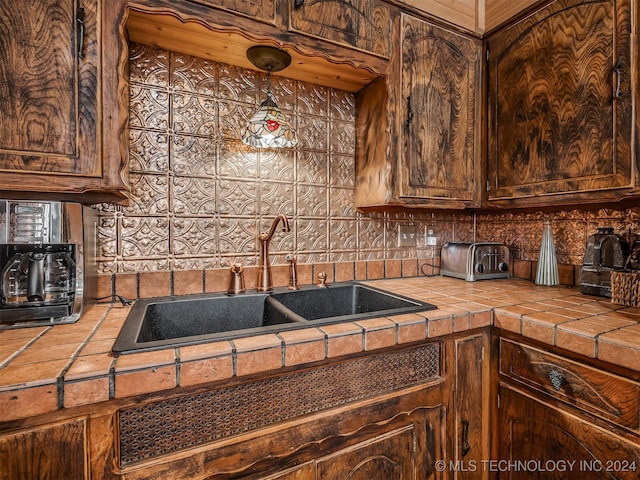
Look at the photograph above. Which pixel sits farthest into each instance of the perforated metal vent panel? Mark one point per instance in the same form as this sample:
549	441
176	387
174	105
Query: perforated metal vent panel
167	426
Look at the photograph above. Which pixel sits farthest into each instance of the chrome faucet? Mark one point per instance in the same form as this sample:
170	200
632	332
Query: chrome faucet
264	272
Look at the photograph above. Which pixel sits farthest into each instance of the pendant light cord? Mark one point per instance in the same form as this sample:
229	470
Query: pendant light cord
269	96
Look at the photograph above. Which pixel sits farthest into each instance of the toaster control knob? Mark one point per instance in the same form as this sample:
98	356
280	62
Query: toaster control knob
479	268
503	267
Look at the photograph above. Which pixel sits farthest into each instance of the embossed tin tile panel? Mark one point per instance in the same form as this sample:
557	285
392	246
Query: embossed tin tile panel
159	428
199	196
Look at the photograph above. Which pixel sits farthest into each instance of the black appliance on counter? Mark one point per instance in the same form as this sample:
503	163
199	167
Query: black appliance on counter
604	253
47	262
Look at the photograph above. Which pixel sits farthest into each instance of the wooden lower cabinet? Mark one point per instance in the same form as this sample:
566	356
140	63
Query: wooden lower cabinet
562	417
386	456
301	472
470	408
55	451
398	413
397	434
538	440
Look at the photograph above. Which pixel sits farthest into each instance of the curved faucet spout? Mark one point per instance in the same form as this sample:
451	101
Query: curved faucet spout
266	236
264	271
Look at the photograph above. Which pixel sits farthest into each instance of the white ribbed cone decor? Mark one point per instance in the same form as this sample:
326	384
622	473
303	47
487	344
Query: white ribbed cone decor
547	264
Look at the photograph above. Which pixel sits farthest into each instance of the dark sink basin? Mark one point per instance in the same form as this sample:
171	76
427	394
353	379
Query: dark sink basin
175	321
345	302
166	321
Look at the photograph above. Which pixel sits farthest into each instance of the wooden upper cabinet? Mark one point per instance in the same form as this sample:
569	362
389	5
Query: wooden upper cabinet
51	128
439	109
262	10
560	106
431	105
361	24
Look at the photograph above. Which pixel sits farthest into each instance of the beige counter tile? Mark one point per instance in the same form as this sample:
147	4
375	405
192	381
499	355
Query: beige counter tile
303	346
143	381
343	339
378	333
411	327
28	402
46	350
135	361
86	392
621	347
94	347
205	370
255	361
204	350
542	325
258	342
89	366
31	374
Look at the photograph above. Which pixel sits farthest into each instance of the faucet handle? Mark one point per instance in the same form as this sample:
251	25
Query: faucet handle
322	276
236	279
293	273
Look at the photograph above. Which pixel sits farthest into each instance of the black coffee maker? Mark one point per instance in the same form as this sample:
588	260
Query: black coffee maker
605	252
47	267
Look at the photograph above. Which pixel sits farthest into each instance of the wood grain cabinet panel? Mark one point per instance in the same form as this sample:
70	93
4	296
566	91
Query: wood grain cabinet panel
470	411
51	81
560	106
388	455
438	112
53	451
609	396
558	417
539	441
361	24
262	10
48	118
418	131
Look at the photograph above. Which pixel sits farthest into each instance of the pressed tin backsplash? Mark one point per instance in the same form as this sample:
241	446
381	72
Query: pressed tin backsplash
200	197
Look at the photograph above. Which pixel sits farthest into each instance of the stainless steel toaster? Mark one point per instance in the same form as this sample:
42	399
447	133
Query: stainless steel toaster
474	261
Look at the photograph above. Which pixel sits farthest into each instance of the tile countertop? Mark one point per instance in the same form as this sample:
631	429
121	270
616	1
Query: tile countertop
46	368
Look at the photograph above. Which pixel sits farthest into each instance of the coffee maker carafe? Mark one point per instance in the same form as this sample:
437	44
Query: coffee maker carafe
47	268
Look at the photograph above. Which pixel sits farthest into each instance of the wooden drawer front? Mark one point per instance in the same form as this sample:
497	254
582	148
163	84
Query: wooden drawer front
604	394
262	10
361	24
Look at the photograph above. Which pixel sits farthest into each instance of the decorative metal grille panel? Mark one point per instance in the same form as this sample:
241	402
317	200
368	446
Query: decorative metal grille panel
167	426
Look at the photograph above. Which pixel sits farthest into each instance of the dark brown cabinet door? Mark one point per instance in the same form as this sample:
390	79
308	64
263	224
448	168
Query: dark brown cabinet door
470	408
49	55
542	442
302	472
50	451
361	24
54	97
262	10
439	115
407	452
559	106
383	458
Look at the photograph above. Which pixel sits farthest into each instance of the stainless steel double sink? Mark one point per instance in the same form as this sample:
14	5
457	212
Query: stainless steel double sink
176	321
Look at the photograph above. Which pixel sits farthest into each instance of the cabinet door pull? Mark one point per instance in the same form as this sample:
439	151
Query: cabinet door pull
409	112
466	447
556	379
80	24
299	3
618	69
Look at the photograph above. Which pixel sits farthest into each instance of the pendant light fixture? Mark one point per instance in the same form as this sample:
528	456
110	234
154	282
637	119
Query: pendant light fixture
268	128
